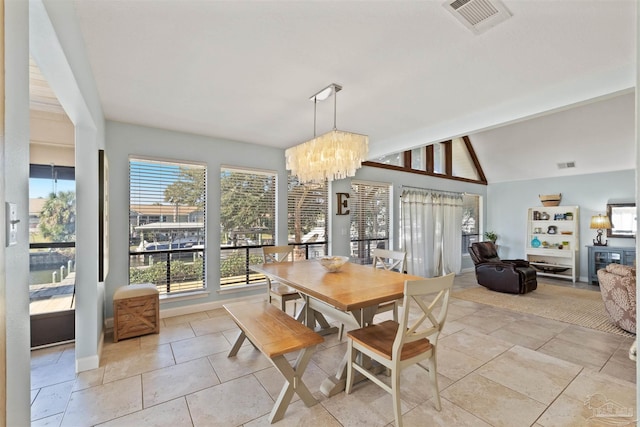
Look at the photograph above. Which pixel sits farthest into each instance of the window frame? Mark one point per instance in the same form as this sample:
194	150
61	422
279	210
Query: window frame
363	244
194	250
251	251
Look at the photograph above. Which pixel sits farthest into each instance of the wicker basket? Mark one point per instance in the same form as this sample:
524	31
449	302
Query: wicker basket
550	199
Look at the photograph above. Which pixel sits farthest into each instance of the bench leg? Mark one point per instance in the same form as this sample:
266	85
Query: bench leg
293	375
237	344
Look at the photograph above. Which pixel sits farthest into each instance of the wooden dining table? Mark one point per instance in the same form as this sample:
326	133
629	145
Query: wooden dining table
350	296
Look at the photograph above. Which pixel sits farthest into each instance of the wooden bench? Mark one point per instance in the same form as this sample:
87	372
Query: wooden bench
275	334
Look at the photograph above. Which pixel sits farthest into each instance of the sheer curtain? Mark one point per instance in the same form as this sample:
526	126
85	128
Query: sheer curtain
431	224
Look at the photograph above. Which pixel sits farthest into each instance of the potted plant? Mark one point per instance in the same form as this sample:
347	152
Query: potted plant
491	235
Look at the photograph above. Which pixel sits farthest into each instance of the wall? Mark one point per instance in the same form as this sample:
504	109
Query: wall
16	177
508	203
124	140
398	179
58	48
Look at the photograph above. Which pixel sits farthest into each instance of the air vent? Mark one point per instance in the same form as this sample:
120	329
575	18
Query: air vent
566	165
478	15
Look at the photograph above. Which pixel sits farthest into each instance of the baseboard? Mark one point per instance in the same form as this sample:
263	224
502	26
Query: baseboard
87	363
91	362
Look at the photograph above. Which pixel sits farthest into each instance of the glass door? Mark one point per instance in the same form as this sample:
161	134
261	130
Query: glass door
52	254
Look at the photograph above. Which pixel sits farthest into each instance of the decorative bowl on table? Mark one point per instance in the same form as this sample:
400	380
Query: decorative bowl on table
333	263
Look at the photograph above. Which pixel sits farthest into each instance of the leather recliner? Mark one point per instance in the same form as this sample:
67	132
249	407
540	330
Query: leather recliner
510	276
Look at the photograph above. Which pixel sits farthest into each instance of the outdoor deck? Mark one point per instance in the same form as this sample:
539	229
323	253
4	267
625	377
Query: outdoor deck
49	297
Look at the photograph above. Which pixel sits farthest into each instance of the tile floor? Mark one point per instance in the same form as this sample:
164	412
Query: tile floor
496	368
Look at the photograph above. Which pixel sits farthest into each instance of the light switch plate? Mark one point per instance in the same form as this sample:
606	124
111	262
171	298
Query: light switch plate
12	223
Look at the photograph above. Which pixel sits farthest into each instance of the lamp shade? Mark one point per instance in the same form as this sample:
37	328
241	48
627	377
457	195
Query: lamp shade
333	155
600	222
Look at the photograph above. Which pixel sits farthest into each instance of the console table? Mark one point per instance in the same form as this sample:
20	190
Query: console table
600	256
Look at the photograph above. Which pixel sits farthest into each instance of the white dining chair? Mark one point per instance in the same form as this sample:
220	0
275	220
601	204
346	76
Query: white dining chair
398	345
279	291
387	260
393	261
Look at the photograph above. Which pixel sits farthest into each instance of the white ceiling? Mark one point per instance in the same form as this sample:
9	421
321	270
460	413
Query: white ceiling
412	74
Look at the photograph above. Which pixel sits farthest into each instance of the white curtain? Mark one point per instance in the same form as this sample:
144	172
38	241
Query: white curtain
431	224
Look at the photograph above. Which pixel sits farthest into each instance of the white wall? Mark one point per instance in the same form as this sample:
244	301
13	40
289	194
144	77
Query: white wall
16	177
508	203
124	140
57	47
398	179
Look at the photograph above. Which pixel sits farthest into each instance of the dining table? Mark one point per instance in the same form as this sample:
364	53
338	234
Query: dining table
351	296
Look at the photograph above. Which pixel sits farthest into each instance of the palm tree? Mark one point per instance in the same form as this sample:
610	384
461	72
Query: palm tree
58	217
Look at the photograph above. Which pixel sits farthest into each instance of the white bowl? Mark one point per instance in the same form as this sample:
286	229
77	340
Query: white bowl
333	263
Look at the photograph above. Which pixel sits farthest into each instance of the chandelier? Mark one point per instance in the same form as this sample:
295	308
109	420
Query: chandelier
334	155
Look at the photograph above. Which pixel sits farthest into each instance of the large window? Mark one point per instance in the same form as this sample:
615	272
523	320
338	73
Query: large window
307	218
370	212
167	207
470	221
247	222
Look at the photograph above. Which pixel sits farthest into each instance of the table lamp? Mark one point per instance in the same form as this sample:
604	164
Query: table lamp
600	222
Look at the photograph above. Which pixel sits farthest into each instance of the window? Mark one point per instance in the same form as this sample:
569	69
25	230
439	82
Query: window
370	211
463	165
307	218
395	159
470	221
167	210
453	159
418	158
247	222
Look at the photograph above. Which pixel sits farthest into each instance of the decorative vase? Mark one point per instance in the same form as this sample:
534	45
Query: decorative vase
535	242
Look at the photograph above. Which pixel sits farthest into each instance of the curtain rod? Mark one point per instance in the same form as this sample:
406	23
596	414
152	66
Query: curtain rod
455	193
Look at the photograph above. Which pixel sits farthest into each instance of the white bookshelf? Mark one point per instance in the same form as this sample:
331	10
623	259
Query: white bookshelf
556	255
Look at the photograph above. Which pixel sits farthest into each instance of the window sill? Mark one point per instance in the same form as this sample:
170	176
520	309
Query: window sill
242	288
184	296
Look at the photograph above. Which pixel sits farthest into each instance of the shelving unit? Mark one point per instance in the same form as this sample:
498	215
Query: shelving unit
552	243
601	256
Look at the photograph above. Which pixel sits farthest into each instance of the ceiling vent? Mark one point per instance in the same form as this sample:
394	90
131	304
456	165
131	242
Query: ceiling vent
566	165
478	15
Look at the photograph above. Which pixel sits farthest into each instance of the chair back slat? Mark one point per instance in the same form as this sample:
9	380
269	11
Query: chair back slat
277	253
389	260
438	291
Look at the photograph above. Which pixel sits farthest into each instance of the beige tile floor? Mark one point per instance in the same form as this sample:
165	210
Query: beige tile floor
496	368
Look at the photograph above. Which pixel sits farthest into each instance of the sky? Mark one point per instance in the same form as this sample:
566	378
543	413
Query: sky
40	187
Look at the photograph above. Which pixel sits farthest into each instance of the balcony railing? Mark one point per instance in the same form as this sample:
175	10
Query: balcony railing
181	270
171	270
361	249
235	261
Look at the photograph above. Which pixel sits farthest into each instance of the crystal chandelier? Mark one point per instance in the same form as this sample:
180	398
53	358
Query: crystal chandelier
334	155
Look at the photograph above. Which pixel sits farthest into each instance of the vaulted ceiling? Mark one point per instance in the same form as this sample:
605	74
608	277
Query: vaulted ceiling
412	74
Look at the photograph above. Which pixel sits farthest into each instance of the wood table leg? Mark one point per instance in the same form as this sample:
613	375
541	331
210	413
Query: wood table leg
337	383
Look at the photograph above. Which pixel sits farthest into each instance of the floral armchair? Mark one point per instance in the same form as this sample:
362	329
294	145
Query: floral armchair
618	289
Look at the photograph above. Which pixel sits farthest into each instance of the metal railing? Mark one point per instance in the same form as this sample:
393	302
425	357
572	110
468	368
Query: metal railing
234	265
361	248
235	261
180	269
467	240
